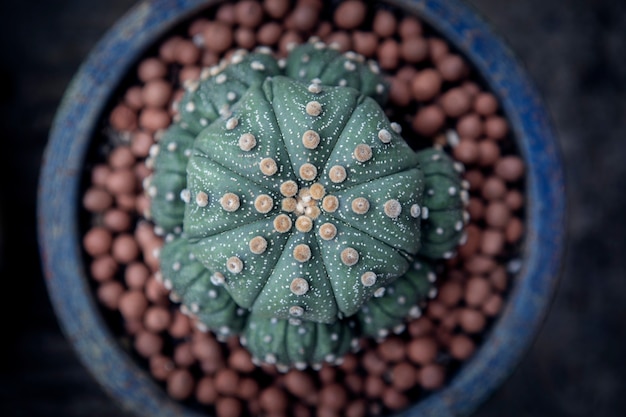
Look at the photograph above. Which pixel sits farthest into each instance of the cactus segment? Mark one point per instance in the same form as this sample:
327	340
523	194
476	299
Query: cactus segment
401	300
443	224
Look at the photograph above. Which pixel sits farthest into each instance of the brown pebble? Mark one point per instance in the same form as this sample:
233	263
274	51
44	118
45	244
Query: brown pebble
124	248
196	26
492	242
153	68
496	127
97	200
388	54
509	168
373	363
109	294
226	13
476	179
157	319
493	305
206	393
395	400
420	327
153	119
403	376
414	49
485	104
422	350
240	360
476	209
103	268
514	230
245	38
469	126
426	84
354	382
156	93
117	220
406	73
497	214
206	348
161	366
474	237
450	293
333	396
399	92
121	157
218	36
299	383
385	23
480	264
140	144
327	374
180	384
226	381
123	118
392	349
248	388
432	376
303	18
287	40
499	279
183	357
133	304
461	347
97	241
132	97
472	321
477	290
273	399
180	326
349	363
514	200
350	14
494	188
436	310
121	181
374	386
488	152
409	27
156	292
99	175
147	343
269	34
340	40
365	43
324	29
356	408
429	120
136	274
228	407
455	102
466	151
276	8
248	13
438	49
452	68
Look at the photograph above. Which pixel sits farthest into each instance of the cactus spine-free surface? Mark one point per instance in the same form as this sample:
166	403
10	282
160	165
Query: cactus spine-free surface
293	208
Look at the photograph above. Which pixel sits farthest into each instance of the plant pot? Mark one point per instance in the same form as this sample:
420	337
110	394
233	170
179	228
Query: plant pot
79	116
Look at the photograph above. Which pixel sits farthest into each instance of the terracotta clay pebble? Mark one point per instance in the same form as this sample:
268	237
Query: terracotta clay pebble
180	326
429	120
514	230
133	98
340	40
493	305
475	178
324	29
403	376
97	241
153	68
121	157
356	408
514	200
161	366
248	389
189	73
466	151
461	347
273	400
410	27
432	376
218	36
183	356
436	310
226	13
455	102
269	34
125	201
414	49
226	381
304	17
364	43
153	119
472	321
133	304
248	13
350	14
485	104
492	242
438	49
327	374
245	38
103	268
488	152
333	396
399	92
206	393
422	350
156	292
391	349
117	220
384	23
496	127
494	188
147	343
156	93
509	168
426	84
388	54
372	363
240	360
287	40
99	174
374	386
451	67
350	363
96	199
109	294
450	293
497	214
180	384
423	326
123	118
299	384
469	126
276	8
124	248
499	279
354	383
476	209
394	399
157	318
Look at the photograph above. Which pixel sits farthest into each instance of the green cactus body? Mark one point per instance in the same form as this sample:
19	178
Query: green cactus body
445	197
301	207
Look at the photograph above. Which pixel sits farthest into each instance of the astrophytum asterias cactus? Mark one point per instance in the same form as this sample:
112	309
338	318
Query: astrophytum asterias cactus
293	208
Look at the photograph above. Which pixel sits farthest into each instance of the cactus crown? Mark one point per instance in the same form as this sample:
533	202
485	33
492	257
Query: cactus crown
300	205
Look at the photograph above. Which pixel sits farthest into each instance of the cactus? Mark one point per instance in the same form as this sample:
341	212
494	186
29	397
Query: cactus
301	206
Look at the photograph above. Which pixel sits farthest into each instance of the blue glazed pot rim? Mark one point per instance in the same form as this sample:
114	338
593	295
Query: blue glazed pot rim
81	108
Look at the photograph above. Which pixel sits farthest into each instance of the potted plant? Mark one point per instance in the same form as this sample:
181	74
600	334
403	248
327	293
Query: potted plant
534	263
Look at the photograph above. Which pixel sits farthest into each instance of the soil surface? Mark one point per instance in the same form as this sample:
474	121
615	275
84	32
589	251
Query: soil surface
573	51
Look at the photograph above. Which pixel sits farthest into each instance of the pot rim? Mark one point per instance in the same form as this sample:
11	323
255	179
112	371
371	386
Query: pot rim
73	128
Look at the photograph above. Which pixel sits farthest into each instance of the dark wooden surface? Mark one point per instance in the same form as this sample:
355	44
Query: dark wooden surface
574	50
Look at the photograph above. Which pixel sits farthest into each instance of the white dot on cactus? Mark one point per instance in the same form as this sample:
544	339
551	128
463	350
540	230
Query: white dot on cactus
313	108
247	142
152	191
362	152
330	203
464	196
328	231
232	123
202	199
167	284
282	223
302	252
430	192
360	205
452	190
452	137
176	266
458	226
295	322
308	171
373	66
316	81
190	106
379	292
380	88
459	167
439	231
448	255
267	338
204	122
231	96
305	58
396	127
314	88
415	211
221	78
194	307
300	366
263	203
258	245
431	277
268	166
349	256
302	330
368	278
212	294
296	311
225	111
270	358
257	66
392	208
310	139
337	174
299	286
432	293
154	150
415	312
304	224
191	85
187	153
384	136
234	265
192	256
224	330
230	202
202	327
217	278
172	146
425	213
383	333
401	300
463	239
349	66
343	82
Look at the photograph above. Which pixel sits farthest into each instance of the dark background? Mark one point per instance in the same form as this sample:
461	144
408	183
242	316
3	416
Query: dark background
575	50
